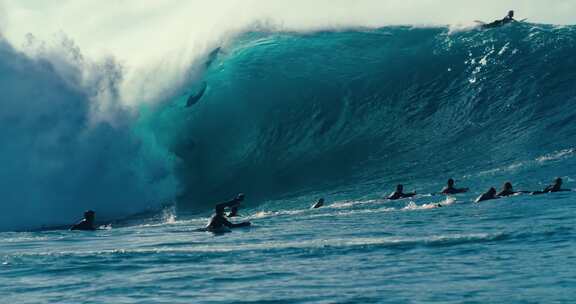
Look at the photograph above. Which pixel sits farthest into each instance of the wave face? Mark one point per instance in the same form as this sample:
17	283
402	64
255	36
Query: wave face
292	114
289	112
59	155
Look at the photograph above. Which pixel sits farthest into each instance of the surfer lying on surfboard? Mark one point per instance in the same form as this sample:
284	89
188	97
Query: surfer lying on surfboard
556	187
87	223
450	189
399	193
498	23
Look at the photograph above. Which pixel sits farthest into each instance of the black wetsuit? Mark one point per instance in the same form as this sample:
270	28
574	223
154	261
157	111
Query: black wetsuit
452	190
399	195
486	196
552	188
217	222
499	23
318	205
83	225
506	193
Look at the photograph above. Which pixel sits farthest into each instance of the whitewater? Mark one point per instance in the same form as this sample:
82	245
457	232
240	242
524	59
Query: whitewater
288	117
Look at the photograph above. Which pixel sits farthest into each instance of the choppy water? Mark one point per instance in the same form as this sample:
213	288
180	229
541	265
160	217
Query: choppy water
516	250
288	118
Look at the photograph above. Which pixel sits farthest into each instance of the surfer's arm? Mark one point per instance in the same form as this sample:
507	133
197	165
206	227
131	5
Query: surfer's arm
228	204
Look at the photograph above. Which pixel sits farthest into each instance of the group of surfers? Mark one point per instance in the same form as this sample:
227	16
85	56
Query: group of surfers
220	222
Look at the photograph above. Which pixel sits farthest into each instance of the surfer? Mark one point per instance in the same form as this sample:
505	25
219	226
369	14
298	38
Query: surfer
507	190
399	193
87	223
556	187
318	204
449	189
193	99
490	195
508	19
219	223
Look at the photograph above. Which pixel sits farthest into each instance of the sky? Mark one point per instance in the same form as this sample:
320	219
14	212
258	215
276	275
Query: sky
138	31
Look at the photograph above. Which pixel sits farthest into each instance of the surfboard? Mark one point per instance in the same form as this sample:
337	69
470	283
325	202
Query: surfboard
497	23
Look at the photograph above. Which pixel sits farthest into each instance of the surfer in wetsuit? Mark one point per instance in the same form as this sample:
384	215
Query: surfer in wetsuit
218	222
508	19
556	187
490	195
87	223
399	193
507	190
449	189
318	204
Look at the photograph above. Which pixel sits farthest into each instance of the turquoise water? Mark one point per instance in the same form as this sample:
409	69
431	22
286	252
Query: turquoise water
517	250
288	118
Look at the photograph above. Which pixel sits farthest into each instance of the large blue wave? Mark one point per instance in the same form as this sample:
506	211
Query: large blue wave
291	112
67	145
288	113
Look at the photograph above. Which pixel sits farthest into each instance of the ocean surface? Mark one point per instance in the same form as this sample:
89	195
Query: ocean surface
288	118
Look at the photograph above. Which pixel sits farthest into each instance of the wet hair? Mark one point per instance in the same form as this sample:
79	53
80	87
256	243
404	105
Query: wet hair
492	190
558	180
89	214
508	185
321	200
450	182
511	13
399	187
219	210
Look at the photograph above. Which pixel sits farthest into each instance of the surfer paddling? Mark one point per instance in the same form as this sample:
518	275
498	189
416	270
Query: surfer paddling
450	189
219	222
498	23
87	223
556	187
318	204
399	193
489	195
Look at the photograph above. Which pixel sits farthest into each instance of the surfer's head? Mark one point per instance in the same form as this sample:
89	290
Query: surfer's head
89	215
492	191
508	186
219	210
399	188
558	181
511	14
450	183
